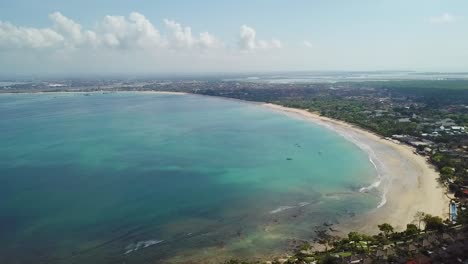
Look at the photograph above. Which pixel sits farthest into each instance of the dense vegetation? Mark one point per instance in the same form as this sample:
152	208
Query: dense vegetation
388	246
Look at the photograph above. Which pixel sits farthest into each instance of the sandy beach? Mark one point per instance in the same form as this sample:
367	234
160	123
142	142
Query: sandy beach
406	180
162	92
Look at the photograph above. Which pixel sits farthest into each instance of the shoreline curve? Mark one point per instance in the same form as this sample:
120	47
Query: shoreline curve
407	181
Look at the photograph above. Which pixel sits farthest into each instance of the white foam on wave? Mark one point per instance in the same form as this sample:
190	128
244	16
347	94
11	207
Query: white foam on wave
376	162
141	244
286	207
380	167
375	184
281	208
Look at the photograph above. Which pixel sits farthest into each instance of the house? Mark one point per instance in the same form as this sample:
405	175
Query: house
412	248
354	260
432	238
426	243
446	122
391	252
379	113
417	143
380	254
447	237
456	249
419	259
458	128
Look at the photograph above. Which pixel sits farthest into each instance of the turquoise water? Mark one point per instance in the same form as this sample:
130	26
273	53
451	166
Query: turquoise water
145	178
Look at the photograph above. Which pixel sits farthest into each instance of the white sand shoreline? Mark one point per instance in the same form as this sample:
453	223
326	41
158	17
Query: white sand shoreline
407	180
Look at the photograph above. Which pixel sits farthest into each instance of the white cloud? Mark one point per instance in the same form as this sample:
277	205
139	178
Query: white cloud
443	19
182	37
127	44
118	32
307	44
135	32
248	40
209	41
72	34
12	36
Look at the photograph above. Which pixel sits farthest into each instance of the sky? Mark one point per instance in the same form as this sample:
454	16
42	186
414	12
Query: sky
213	36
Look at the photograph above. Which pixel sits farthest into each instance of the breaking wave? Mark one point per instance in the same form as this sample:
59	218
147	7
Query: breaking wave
378	165
286	207
141	244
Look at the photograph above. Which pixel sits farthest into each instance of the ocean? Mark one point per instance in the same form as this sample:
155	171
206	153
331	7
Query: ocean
154	178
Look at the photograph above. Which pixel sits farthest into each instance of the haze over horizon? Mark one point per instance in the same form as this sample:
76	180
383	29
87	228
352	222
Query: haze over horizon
84	37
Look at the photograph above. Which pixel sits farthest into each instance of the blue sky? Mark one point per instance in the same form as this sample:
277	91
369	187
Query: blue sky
233	36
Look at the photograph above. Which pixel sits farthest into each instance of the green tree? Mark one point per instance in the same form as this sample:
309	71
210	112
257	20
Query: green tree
462	217
433	222
368	239
411	230
447	170
328	260
355	237
386	229
446	173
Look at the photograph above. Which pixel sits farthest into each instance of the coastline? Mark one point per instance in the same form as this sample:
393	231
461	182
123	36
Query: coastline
406	180
93	92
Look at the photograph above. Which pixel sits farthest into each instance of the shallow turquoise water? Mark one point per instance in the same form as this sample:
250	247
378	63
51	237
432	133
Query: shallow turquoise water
87	179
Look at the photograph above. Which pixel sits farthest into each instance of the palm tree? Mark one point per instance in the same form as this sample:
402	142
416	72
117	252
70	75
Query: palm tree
420	218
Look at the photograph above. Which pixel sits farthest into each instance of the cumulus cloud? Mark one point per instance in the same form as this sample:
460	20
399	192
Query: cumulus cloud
129	43
248	40
207	40
307	44
442	19
12	36
132	32
116	32
71	32
182	37
135	32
